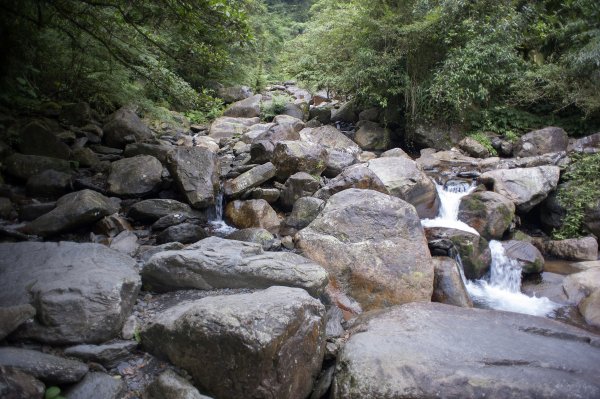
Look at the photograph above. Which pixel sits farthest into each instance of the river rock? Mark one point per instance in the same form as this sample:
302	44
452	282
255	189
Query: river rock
473	249
347	112
268	344
525	187
528	256
252	213
578	286
85	158
290	157
372	137
591	220
543	141
158	151
256	235
15	384
373	246
185	233
73	210
277	133
356	176
169	385
138	176
124	127
49	184
395	152
195	171
552	213
234	93
76	114
108	355
227	127
247	180
97	386
489	213
12	317
589	144
321	114
404	179
292	122
125	242
298	185
150	210
246	108
81	292
219	263
341	151
25	166
48	368
585	248
473	148
426	350
37	139
590	308
448	285
305	210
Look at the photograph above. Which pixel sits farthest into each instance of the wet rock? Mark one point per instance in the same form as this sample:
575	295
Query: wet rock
356	176
25	166
48	368
246	108
125	127
219	263
473	249
150	210
49	184
169	385
73	210
272	340
525	187
138	176
195	171
585	248
298	185
108	355
252	213
448	286
185	233
97	386
373	245
37	139
227	127
81	292
421	349
473	148
404	179
528	256
290	157
543	141
11	317
15	384
256	235
247	180
489	213
372	137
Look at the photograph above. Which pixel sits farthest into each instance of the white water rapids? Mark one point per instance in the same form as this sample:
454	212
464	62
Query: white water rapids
218	225
501	289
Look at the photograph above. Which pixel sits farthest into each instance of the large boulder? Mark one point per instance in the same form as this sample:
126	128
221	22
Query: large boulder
526	254
246	108
49	184
158	151
578	286
25	166
169	385
543	141
585	248
489	213
124	127
108	355
150	210
347	112
356	176
135	177
228	127
298	185
234	93
427	350
37	139
220	263
305	210
290	157
196	173
370	136
341	151
252	213
591	220
448	285
473	148
373	246
404	179
46	367
72	211
11	317
268	344
250	179
433	135
590	309
15	384
525	187
81	292
97	386
589	144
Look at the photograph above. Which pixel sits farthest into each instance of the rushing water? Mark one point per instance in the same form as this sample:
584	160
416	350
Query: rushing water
218	225
501	289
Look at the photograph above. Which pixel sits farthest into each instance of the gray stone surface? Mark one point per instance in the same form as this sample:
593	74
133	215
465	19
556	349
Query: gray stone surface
268	344
250	179
15	384
290	157
220	263
473	148
372	137
341	151
246	108
81	292
49	183
585	248
150	210
97	386
256	235
37	139
125	127
298	185
48	368
252	213
543	141
12	317
185	233
169	385
490	213
25	166
434	350
227	127
448	286
373	246
138	176
195	171
108	355
355	176
528	256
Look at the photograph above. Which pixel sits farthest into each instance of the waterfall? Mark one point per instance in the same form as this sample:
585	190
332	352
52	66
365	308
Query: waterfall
501	289
217	224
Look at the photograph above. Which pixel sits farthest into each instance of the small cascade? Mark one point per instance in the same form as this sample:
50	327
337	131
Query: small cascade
450	196
218	225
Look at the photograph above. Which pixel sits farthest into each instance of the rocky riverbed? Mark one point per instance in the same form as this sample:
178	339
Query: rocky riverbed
284	259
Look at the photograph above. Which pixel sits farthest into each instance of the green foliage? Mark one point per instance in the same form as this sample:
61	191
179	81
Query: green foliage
53	393
270	109
581	190
210	109
485	141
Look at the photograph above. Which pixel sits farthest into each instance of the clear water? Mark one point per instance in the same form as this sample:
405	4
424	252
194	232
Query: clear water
217	224
450	198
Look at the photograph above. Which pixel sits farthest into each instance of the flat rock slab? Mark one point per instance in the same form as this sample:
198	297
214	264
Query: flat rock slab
220	263
48	368
108	355
195	172
433	350
97	386
81	292
12	317
169	385
268	344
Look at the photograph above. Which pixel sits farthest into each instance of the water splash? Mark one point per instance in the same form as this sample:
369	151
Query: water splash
450	197
217	224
